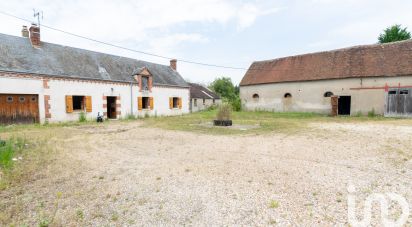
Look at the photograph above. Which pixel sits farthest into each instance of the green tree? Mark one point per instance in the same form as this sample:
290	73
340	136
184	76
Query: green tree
393	34
224	87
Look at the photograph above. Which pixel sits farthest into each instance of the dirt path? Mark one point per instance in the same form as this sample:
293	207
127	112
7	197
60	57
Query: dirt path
122	174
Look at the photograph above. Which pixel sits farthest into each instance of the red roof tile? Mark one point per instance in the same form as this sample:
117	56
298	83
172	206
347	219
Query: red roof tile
392	59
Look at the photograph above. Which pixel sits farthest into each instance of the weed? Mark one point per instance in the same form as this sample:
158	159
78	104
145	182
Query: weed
82	117
79	214
6	155
274	204
131	117
115	217
372	113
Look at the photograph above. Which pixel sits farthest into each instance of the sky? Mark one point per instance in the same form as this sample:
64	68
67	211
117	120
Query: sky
222	32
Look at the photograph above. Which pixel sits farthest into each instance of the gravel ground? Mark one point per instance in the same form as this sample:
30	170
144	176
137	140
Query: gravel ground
123	174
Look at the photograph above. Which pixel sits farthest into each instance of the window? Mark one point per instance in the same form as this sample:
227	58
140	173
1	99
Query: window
78	102
145	83
214	101
404	92
33	99
9	98
175	102
204	101
145	103
287	95
195	102
255	97
22	99
328	94
393	92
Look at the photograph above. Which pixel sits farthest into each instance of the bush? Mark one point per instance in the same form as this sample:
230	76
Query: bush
224	112
82	117
236	104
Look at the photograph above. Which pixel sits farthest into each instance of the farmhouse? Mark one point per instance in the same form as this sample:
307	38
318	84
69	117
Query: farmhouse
349	81
42	82
202	98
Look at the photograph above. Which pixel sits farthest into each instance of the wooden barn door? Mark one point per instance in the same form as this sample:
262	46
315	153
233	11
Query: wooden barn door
17	108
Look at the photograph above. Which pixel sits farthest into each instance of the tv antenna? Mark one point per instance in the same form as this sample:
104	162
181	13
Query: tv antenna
38	14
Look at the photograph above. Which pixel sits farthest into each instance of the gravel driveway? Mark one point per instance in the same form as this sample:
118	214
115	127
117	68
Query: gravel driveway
123	174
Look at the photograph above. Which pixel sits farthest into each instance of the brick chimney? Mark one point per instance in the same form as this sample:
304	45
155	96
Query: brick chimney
173	64
25	32
35	35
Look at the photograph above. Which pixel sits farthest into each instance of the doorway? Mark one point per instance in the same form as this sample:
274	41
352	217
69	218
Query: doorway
344	104
111	108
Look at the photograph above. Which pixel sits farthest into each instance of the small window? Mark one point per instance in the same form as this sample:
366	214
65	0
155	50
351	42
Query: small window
404	92
78	102
145	102
287	95
255	96
204	101
393	92
328	94
22	99
9	98
195	102
214	101
175	102
33	99
145	83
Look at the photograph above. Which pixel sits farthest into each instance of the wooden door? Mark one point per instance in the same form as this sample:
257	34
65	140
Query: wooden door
334	103
19	108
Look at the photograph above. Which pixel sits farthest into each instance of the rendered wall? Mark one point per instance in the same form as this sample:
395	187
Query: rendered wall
307	96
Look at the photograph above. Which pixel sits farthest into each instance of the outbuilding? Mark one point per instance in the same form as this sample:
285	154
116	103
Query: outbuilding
351	81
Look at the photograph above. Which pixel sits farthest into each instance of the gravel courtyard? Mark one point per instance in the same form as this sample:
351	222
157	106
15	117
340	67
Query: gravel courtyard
126	174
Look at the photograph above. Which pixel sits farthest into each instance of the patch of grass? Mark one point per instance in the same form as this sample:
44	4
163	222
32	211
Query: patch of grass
273	204
6	155
288	122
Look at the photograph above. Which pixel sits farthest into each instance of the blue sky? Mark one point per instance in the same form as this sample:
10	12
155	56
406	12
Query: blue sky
222	32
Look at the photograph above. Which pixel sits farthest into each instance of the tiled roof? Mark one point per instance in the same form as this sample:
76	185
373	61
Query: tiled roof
18	55
392	59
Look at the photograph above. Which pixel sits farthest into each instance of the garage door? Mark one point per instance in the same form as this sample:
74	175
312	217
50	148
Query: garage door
19	108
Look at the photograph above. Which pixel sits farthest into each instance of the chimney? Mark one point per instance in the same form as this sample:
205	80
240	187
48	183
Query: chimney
25	32
34	35
173	64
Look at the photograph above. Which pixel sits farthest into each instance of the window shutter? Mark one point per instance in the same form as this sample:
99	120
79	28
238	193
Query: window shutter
88	104
171	102
139	103
69	104
180	103
151	103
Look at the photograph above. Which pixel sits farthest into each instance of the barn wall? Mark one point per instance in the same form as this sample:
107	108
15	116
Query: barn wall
308	96
13	85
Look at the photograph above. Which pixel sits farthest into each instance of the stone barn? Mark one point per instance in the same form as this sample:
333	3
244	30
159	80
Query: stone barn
42	82
351	81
